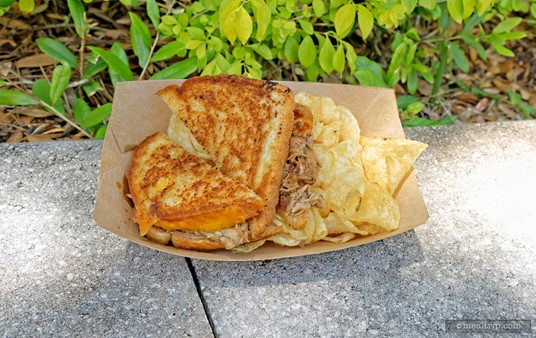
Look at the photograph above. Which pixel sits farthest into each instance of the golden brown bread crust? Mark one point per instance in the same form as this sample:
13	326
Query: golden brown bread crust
169	185
245	126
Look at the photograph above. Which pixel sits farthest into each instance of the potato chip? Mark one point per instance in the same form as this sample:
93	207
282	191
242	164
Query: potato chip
314	230
349	126
326	162
323	108
329	135
378	207
342	238
387	161
248	247
338	224
348	173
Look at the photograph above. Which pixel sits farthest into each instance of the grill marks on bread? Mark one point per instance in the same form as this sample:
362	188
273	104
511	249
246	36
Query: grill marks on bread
244	125
176	190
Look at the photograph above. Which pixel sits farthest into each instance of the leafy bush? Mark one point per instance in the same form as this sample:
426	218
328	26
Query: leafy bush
306	40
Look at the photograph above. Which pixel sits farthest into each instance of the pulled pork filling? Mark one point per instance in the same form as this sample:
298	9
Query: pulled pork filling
301	169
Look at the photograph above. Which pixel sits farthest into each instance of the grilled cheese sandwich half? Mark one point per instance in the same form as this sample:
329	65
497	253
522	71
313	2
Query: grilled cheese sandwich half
176	190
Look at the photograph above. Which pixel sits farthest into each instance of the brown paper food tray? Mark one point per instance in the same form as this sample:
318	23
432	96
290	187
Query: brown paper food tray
137	113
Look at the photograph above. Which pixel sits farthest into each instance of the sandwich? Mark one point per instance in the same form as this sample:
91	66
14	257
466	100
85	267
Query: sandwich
248	131
175	190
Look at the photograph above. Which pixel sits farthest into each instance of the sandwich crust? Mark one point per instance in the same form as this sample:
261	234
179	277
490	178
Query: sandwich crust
176	190
245	126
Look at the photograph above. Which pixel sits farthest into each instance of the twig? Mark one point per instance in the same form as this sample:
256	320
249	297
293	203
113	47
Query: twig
150	55
81	53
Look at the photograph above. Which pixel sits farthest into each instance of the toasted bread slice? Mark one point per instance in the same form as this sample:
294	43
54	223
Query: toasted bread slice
245	126
176	190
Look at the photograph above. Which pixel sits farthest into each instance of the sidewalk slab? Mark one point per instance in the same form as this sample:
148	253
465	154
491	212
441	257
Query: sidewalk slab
473	259
61	275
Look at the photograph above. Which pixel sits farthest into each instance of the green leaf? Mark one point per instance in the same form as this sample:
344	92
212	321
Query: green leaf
498	44
263	51
396	60
227	16
325	56
423	70
91	88
263	15
312	73
415	108
6	3
339	59
365	20
468	8
413	81
15	98
153	12
455	8
41	90
475	45
94	68
514	97
235	68
441	67
201	52
319	8
243	25
511	35
98	115
193	44
115	64
471	23
168	51
404	101
180	70
520	6
366	77
130	2
80	111
60	80
307	52
141	39
307	26
344	19
77	10
101	132
421	121
363	62
57	51
26	6
428	4
533	10
507	25
351	56
410	5
459	57
196	33
482	6
291	49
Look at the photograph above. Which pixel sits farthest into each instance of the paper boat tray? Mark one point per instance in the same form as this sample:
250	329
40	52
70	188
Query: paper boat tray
137	113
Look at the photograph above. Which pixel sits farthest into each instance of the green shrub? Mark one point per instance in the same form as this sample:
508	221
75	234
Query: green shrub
306	40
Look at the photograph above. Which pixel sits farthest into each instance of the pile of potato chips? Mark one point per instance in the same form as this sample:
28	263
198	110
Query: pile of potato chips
358	179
